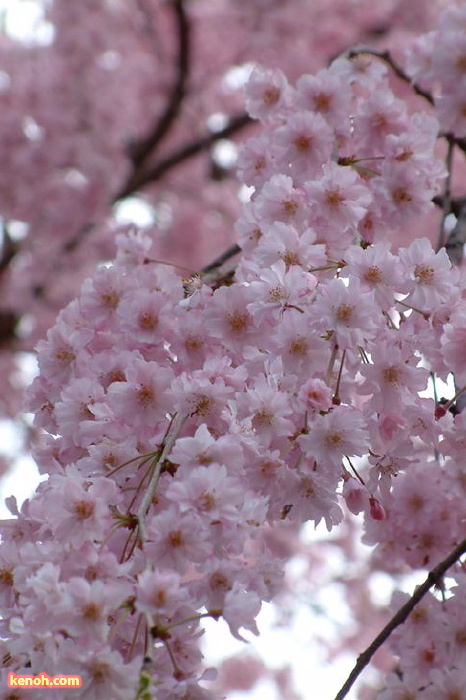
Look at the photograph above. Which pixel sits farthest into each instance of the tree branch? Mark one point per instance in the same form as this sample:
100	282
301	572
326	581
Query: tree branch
142	150
397	69
218	262
434	577
170	438
457	238
182	154
8	319
8	248
213	276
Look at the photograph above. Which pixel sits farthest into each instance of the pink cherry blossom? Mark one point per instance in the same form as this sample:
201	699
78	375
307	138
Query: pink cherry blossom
240	609
393	378
345	312
377	269
331	436
266	93
280	200
189	420
323	93
158	592
339	197
174	540
430	274
305	142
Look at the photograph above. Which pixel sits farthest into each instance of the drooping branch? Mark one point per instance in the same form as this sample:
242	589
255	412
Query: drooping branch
170	438
434	578
182	154
143	149
397	69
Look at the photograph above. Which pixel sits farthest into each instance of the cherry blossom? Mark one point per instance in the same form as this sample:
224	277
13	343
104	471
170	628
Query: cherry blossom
185	419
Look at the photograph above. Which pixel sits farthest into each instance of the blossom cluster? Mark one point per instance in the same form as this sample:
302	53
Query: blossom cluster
437	62
71	149
431	646
183	421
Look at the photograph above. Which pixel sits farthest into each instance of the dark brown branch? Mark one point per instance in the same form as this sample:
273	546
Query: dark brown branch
460	142
457	238
8	249
456	205
78	237
155	172
218	262
434	578
142	150
8	319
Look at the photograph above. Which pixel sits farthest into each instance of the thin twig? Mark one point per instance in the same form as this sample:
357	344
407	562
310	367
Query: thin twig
218	262
434	578
170	439
397	69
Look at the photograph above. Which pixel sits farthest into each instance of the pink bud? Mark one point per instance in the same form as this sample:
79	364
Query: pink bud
440	411
354	494
378	512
